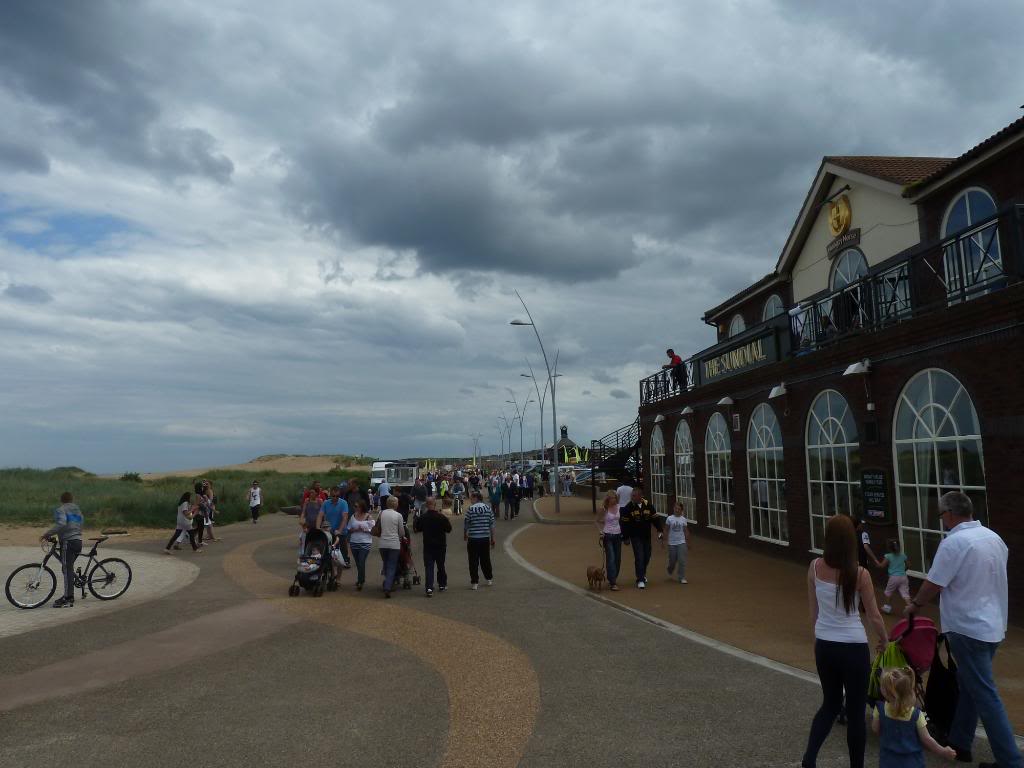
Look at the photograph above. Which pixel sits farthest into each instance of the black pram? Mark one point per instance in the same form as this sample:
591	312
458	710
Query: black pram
314	572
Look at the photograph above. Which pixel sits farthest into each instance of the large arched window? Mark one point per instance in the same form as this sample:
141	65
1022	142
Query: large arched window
772	307
718	458
658	496
833	462
767	478
937	448
974	261
737	325
850	267
684	469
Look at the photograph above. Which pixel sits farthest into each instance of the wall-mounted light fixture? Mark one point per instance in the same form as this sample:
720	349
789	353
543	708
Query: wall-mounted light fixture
659	418
777	391
726	401
687	411
862	368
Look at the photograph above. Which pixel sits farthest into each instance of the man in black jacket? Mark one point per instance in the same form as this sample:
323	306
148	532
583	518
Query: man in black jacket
637	518
435	528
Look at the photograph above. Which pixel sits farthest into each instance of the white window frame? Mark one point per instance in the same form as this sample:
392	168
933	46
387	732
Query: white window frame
765	471
684	469
976	240
835	269
847	446
773	300
737	325
718	468
657	456
906	516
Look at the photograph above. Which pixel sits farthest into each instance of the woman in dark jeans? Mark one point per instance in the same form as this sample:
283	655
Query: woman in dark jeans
836	585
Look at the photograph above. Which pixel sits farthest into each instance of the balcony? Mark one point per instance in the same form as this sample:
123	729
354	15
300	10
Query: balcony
926	279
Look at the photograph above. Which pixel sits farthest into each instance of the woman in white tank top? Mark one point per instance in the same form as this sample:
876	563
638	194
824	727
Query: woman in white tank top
836	588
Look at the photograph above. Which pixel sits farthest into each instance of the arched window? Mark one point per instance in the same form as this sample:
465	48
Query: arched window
767	478
737	325
773	307
658	496
937	448
718	458
974	261
833	462
849	267
684	470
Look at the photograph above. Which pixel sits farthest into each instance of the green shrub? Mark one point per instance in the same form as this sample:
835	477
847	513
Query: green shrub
131	477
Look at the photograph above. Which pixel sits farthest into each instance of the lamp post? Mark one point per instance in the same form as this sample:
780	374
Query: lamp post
541	396
519	415
508	435
551	382
476	448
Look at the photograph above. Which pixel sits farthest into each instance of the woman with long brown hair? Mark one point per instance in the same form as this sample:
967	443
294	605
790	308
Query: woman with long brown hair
836	587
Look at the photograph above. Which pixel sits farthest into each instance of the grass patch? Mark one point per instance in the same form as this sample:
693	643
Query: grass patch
29	496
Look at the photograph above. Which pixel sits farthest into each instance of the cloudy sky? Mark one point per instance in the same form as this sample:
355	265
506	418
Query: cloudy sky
235	228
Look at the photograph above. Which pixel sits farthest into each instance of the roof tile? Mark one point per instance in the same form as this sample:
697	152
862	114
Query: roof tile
898	170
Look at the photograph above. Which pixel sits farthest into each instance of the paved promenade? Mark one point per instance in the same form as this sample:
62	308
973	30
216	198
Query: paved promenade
228	670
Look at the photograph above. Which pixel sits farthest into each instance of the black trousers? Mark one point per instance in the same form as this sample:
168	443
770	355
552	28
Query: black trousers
841	666
255	511
434	557
679	376
70	550
479	558
191	537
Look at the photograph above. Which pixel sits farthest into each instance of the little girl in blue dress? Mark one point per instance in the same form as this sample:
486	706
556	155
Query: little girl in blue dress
900	725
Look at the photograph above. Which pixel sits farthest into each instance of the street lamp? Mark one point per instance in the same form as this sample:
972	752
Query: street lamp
519	415
551	381
541	396
476	448
508	433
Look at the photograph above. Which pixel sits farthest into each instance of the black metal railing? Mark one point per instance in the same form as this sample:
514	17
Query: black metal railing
981	259
618	453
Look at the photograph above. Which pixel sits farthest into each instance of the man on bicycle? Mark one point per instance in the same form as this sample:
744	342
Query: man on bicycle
67	526
458	491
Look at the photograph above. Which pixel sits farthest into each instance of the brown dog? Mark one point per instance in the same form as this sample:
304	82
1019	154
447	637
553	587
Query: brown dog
595	577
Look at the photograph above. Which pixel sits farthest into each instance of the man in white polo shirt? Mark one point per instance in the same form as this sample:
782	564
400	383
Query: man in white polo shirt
969	570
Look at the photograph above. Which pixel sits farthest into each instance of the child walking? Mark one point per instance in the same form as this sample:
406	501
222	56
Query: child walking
677	542
900	726
896	563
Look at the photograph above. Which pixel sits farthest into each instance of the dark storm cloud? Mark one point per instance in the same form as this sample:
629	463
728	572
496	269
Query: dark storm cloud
86	63
18	156
619	394
601	376
30	294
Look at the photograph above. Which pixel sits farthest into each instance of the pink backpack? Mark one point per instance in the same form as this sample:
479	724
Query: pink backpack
917	637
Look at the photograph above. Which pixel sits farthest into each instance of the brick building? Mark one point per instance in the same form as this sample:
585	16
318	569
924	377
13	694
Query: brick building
878	365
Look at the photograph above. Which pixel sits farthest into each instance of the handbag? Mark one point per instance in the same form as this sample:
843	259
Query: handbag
891	656
942	691
375	531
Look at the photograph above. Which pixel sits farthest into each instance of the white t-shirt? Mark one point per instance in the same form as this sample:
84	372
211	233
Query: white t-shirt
392	529
625	494
255	497
676	526
970	566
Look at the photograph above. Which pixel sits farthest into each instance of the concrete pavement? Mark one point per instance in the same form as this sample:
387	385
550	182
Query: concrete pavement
523	673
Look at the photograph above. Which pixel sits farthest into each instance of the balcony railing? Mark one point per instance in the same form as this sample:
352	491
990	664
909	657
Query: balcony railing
983	258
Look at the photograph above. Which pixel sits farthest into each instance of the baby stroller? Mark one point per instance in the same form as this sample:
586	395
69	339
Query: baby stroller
406	566
912	643
314	572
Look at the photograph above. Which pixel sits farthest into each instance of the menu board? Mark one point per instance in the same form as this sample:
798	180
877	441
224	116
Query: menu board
875	492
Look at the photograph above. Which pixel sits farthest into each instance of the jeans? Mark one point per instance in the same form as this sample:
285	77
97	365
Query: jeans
677	555
390	558
641	555
479	551
612	556
254	510
70	550
979	698
432	557
359	553
841	666
177	535
508	508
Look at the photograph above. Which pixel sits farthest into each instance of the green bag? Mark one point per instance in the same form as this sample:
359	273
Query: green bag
891	656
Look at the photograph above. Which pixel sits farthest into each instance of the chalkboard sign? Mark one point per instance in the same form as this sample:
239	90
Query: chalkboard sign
875	491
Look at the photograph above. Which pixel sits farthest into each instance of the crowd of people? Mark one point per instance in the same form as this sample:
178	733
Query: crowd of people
197	510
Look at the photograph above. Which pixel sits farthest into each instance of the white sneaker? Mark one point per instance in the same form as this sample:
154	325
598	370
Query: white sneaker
474	586
490	582
886	609
683	581
641	585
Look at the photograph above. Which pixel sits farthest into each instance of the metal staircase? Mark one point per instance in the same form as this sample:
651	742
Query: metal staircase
618	454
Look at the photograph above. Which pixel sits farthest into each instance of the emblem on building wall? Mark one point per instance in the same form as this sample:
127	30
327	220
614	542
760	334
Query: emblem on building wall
839	215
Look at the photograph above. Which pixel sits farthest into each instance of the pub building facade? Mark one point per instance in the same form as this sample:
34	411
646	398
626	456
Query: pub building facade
877	366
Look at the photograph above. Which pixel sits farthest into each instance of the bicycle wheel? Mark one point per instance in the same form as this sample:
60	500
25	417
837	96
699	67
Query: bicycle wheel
31	585
110	578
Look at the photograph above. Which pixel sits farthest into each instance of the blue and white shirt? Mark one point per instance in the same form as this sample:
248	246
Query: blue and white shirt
479	521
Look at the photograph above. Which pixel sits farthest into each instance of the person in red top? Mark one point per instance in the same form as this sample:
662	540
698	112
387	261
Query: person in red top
675	364
316	491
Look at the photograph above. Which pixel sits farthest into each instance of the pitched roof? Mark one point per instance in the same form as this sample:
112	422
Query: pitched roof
898	170
1017	126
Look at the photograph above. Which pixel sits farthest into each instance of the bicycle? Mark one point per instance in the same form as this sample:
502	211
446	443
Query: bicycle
457	504
32	585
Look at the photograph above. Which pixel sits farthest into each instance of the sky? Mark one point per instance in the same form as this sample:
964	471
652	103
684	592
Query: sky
229	229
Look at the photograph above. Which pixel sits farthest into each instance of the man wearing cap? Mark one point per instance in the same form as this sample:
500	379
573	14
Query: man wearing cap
969	572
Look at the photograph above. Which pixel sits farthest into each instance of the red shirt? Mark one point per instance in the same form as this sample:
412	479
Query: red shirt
322	496
676	360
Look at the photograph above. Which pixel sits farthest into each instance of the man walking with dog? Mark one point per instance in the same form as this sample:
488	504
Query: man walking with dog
969	574
637	519
478	531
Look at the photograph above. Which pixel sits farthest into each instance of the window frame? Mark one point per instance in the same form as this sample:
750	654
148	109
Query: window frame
764	442
835	269
939	487
765	317
852	485
732	322
656	461
685	482
975	240
718	454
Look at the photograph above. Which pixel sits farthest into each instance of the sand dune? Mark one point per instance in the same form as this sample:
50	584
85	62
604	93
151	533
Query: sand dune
297	464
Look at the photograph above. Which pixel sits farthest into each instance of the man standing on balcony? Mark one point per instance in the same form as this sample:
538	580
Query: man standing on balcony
678	371
969	572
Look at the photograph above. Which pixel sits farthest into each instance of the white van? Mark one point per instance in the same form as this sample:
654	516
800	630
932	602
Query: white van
377	473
